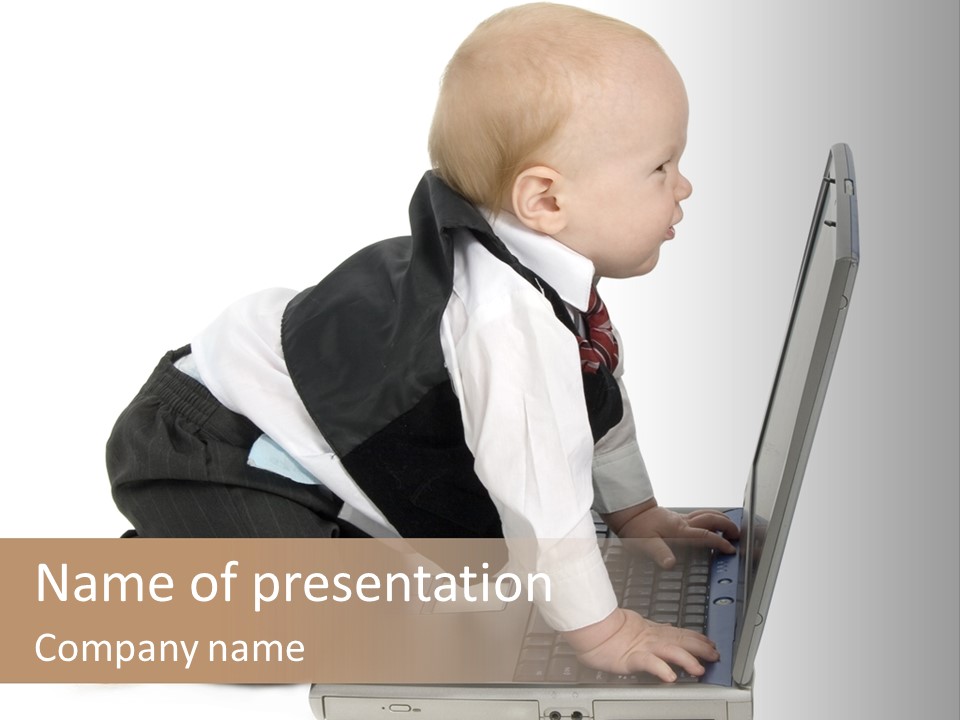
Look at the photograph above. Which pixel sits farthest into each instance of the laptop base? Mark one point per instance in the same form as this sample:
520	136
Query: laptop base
531	702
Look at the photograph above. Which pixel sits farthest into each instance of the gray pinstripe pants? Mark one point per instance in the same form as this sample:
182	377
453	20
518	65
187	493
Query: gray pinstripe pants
177	461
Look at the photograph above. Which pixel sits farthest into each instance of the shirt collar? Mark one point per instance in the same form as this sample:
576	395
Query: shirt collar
436	208
566	271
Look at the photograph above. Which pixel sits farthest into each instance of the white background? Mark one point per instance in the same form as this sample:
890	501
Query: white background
159	160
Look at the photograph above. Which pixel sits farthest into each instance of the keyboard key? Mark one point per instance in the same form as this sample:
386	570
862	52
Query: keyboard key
563	648
539	641
670	618
530	672
667	607
563	668
535	654
632	593
538	626
639	582
638	605
589	675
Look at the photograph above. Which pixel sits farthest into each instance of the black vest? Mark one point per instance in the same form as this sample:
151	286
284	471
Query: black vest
363	351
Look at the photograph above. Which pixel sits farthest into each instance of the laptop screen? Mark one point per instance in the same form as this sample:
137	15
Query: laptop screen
816	321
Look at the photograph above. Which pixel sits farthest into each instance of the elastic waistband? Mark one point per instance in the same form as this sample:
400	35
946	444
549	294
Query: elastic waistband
195	403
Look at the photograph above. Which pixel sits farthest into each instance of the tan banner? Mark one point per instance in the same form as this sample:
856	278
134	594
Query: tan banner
257	611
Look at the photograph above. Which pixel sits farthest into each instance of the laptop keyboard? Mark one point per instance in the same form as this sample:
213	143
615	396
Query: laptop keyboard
677	596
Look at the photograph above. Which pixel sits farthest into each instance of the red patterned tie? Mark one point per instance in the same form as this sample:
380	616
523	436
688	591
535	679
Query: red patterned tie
599	346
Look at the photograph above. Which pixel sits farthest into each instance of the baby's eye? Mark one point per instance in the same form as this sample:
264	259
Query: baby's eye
662	167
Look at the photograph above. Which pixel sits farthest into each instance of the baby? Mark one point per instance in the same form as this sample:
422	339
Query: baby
464	381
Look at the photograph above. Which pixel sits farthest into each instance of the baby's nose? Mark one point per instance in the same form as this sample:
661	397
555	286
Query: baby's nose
684	188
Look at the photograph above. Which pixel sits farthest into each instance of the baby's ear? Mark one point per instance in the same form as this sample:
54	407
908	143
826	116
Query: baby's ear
535	200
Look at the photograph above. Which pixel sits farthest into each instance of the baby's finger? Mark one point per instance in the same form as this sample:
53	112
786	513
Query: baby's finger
703	536
694	643
681	658
654	548
702	511
712	520
648	662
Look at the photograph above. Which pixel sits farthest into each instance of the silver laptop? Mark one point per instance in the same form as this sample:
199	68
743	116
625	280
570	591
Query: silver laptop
733	592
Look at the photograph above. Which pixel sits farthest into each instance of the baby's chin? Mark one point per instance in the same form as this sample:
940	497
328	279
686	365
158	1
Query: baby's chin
643	268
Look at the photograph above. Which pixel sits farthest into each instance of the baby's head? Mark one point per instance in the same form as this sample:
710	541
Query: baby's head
575	123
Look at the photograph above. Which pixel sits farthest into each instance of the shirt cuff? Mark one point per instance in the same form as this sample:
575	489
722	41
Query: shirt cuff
580	593
620	479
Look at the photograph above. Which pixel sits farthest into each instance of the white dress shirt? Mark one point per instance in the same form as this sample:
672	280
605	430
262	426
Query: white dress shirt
516	371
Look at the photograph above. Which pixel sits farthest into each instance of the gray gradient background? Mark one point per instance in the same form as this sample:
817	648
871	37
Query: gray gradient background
228	146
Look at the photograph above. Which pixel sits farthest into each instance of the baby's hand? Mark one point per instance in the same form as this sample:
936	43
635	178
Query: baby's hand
648	527
625	643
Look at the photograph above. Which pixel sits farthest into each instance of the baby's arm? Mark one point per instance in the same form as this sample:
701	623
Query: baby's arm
517	374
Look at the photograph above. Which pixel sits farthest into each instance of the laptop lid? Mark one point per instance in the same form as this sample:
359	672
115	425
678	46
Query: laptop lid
819	309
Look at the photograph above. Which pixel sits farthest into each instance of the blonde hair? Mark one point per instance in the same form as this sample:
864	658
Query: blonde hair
511	86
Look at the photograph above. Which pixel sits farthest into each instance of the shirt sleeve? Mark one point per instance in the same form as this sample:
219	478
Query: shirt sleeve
620	478
518	376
